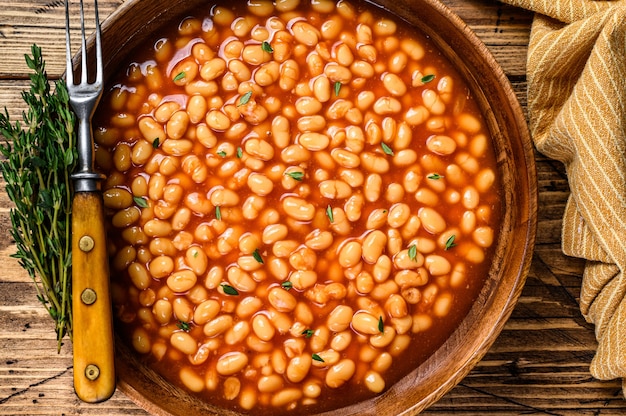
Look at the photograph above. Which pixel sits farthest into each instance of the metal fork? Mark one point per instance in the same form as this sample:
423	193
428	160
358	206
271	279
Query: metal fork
94	373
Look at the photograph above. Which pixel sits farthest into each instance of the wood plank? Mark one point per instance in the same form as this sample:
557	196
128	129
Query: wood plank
538	365
27	22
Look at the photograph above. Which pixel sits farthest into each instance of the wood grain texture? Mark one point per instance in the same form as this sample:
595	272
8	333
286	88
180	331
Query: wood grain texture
93	346
538	365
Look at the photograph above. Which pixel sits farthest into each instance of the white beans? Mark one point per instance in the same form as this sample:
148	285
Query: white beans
231	363
341	372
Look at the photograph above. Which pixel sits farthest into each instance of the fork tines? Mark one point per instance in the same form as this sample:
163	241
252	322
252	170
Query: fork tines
98	47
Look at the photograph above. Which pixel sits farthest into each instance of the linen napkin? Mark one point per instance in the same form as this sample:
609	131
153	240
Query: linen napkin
577	108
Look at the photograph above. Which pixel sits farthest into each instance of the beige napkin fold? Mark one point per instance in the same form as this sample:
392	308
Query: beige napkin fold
577	109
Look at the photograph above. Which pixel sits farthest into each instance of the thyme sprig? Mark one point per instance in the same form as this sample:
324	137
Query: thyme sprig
38	155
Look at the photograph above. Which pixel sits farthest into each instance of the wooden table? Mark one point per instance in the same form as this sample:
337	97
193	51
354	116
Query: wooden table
538	365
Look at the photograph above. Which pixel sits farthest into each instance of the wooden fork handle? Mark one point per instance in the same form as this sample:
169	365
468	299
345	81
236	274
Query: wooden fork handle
94	373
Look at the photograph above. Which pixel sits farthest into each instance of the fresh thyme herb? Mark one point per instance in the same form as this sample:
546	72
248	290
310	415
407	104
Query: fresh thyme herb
239	153
222	153
245	98
435	176
267	47
427	78
257	256
337	88
386	149
381	325
296	175
155	143
286	285
184	326
180	76
140	202
229	290
218	213
308	333
39	154
450	242
413	252
329	213
316	357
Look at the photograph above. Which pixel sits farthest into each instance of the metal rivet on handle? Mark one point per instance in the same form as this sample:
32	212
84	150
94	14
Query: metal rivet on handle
88	296
86	243
92	372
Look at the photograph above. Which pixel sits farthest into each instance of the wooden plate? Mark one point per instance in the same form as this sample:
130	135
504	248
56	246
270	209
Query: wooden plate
136	19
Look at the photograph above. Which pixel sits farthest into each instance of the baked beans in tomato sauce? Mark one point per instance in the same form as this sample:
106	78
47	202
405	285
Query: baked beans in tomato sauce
302	201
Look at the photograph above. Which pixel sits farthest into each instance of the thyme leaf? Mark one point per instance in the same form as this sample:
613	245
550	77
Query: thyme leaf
427	78
267	47
245	98
184	326
229	290
298	176
316	357
450	242
386	149
337	87
257	256
140	202
329	214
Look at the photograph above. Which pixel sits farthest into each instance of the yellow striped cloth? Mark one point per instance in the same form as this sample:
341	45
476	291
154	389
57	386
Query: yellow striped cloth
577	109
